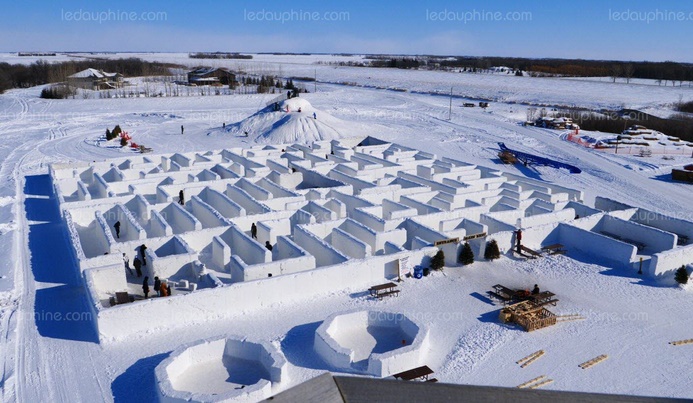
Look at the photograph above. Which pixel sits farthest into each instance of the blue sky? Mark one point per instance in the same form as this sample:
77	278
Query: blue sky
621	30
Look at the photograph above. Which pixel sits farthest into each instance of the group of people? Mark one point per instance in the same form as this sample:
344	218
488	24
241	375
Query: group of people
137	263
160	287
253	234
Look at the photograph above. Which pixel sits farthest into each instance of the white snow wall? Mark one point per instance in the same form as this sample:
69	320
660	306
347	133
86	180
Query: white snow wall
124	321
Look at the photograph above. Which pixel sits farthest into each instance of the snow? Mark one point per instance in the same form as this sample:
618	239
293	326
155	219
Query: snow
295	121
48	357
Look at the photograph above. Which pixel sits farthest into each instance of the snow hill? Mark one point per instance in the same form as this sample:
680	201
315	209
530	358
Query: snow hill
280	127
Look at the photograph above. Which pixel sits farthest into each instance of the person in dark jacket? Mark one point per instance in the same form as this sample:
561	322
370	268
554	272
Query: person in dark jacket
181	198
145	287
253	231
157	285
117	228
143	248
138	266
268	245
535	291
518	238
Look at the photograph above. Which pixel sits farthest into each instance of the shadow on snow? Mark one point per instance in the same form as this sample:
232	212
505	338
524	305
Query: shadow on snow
61	310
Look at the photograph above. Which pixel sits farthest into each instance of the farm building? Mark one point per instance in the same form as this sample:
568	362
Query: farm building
92	79
210	76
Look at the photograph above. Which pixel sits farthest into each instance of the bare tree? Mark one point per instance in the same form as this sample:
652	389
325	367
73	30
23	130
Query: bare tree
615	72
628	71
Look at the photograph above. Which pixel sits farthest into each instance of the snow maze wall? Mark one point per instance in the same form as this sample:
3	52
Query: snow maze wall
337	215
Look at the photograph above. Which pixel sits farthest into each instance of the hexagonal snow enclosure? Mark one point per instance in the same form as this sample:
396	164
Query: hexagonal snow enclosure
372	342
220	370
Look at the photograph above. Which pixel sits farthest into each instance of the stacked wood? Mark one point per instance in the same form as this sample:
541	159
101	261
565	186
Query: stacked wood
526	361
594	361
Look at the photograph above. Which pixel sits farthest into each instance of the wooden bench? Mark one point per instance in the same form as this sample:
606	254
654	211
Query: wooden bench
420	372
554	249
388	293
380	289
499	297
530	251
547	302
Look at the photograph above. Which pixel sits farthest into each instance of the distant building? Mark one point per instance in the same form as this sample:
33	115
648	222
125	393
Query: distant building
210	76
92	79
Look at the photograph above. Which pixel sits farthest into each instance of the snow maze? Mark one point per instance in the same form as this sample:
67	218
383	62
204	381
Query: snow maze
219	370
338	215
371	342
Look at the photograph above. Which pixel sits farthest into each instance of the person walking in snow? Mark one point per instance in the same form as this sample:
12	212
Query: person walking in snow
143	248
117	228
181	198
253	231
138	266
315	116
182	129
518	236
268	245
145	287
126	261
157	285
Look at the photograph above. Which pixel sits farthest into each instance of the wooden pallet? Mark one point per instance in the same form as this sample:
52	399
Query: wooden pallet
594	361
532	381
530	358
681	342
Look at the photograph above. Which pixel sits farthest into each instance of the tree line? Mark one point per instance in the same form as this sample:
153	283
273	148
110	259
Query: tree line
43	72
663	72
218	55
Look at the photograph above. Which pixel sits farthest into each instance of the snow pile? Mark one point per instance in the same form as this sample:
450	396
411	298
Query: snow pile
296	121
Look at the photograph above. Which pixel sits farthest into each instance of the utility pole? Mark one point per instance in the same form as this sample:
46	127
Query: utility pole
315	81
450	109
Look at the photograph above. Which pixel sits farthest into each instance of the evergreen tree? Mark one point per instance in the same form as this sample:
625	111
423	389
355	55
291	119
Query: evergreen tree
466	255
438	260
681	275
492	252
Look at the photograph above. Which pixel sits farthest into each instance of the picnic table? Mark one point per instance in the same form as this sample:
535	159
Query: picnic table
554	249
502	293
421	372
544	298
382	290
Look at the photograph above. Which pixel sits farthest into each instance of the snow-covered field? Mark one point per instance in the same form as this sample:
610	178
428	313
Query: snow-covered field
49	347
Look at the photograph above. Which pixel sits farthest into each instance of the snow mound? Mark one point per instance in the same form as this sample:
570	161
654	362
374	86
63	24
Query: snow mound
308	125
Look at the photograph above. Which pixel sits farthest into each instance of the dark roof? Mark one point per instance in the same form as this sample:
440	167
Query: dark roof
338	389
201	71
